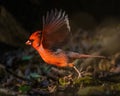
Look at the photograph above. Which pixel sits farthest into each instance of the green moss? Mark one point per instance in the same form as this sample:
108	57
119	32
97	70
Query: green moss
87	80
91	90
107	89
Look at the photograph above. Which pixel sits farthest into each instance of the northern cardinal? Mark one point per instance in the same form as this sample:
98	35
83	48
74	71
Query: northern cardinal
54	33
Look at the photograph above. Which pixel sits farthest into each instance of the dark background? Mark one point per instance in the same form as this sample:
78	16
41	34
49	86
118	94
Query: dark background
29	12
21	17
95	25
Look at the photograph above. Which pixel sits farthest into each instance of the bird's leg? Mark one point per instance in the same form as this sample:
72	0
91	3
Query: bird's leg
72	65
79	74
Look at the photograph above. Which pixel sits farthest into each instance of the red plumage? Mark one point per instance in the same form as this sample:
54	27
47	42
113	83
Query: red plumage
55	33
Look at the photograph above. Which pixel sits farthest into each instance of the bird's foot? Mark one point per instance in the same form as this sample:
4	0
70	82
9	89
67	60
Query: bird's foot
79	75
79	72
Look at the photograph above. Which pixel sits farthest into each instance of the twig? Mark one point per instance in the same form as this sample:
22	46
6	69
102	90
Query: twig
7	92
110	77
14	74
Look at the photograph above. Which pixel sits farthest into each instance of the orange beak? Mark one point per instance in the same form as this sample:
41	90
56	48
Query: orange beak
28	42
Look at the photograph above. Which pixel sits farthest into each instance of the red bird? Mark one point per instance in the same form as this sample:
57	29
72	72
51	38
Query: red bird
55	31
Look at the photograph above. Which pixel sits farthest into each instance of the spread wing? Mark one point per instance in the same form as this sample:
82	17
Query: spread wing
56	29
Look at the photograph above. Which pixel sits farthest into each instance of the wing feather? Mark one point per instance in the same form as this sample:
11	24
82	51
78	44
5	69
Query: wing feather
56	29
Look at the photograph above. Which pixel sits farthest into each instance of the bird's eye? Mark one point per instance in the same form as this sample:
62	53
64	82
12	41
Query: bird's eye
31	40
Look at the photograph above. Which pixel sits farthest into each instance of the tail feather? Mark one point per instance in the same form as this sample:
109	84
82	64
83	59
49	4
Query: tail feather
75	55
